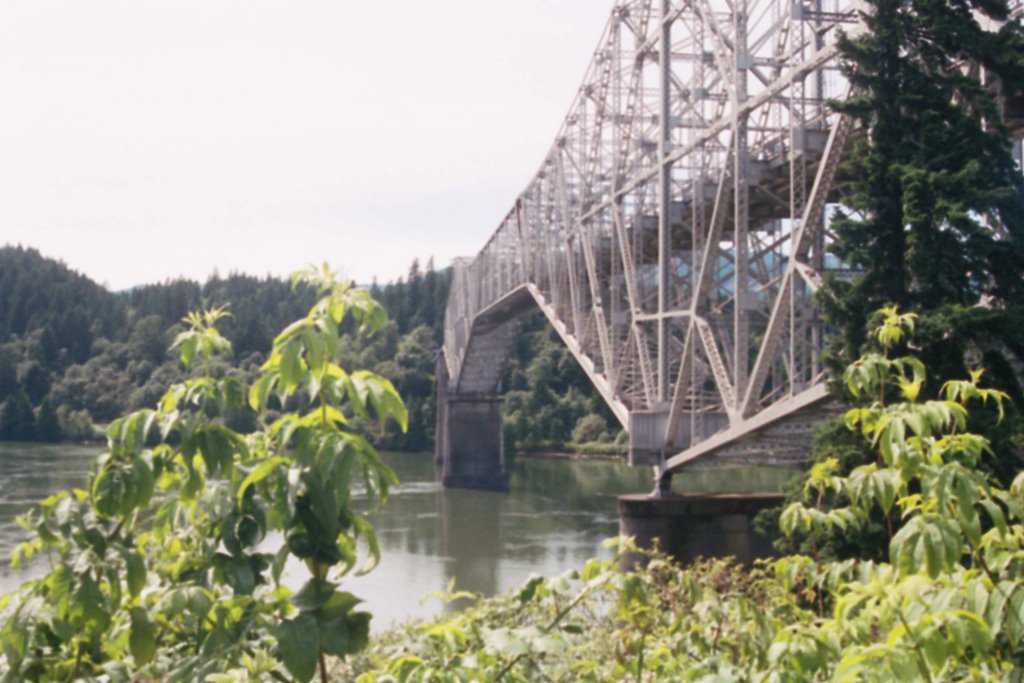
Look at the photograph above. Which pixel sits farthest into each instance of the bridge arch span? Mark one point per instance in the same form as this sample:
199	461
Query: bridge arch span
677	230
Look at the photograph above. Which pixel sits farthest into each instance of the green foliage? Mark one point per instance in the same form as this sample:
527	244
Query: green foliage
47	426
106	354
157	571
934	221
75	425
946	604
17	421
547	396
96	354
589	428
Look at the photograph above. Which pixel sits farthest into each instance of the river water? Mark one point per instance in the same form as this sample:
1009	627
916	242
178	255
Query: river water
555	517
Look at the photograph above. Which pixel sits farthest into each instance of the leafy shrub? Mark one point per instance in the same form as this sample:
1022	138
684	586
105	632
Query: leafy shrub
76	425
589	428
157	569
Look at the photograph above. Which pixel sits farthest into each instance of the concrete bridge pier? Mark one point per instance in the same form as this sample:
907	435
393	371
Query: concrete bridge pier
473	453
469	443
697	525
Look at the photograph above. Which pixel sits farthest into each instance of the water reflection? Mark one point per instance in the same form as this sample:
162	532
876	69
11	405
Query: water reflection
556	516
29	473
471	539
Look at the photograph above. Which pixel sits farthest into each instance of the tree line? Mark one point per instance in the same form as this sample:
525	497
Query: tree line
73	354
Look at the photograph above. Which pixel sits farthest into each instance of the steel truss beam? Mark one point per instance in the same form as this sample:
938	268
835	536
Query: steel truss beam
676	231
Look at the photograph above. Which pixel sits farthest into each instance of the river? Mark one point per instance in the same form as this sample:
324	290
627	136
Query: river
556	516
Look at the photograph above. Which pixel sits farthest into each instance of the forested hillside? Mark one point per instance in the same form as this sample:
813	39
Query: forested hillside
73	354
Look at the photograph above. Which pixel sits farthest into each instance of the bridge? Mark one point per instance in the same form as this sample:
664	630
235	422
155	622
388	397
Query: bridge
674	237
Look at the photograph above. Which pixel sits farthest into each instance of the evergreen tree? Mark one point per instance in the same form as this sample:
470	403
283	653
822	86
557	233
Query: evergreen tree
36	382
47	427
17	421
48	347
938	220
414	296
935	220
8	374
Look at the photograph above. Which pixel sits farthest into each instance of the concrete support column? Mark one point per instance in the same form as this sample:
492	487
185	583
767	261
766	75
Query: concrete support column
698	525
440	408
473	446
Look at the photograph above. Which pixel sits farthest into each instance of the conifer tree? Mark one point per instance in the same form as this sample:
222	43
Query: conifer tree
47	426
937	220
934	223
17	421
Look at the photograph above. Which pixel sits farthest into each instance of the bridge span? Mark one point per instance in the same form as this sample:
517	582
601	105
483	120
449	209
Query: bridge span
674	237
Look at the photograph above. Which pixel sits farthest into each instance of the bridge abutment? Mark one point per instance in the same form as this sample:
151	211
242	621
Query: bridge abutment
471	443
697	525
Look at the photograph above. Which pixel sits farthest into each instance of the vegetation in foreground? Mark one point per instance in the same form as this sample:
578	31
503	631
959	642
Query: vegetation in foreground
156	568
157	573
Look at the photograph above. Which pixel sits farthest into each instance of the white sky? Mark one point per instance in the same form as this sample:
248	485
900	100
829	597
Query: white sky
142	140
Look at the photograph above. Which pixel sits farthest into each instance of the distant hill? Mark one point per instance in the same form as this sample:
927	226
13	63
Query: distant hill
39	293
72	352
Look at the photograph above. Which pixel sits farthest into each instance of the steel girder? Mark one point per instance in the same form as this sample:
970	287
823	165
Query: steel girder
675	232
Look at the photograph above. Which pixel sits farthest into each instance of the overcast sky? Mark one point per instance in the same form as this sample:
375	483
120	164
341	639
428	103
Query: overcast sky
145	140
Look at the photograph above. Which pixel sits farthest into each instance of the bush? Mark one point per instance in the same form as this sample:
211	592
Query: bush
157	572
76	425
589	428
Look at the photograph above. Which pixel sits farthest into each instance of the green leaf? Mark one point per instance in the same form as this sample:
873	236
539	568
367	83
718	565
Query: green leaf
593	569
108	489
140	484
314	344
239	574
291	366
278	563
529	588
346	635
88	608
337	605
970	524
260	390
142	641
135	569
996	514
1013	616
188	342
214	449
313	595
926	544
296	646
260	472
795	519
291	331
365	529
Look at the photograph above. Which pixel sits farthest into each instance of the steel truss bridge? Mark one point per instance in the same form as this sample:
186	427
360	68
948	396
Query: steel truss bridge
675	233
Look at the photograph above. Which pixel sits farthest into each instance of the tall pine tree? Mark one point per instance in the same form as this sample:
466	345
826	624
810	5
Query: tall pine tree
937	219
17	421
